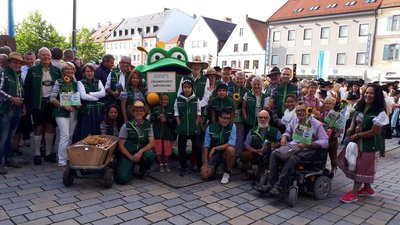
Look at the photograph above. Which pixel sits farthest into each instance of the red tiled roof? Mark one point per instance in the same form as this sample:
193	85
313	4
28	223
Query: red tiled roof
180	38
389	3
103	32
287	11
260	29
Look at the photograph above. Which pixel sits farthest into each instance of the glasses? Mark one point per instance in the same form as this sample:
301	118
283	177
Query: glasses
300	110
224	118
17	62
263	117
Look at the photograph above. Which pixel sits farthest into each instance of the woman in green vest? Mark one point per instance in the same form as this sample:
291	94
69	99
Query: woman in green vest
135	145
92	111
253	102
66	115
365	130
134	92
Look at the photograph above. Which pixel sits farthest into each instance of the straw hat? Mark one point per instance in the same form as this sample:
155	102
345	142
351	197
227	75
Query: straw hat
15	56
197	60
138	104
211	71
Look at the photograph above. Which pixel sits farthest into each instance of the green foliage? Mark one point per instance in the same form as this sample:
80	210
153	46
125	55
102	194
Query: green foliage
34	33
86	48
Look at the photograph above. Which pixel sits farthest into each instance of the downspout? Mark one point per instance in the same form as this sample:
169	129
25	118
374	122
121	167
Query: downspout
267	48
374	38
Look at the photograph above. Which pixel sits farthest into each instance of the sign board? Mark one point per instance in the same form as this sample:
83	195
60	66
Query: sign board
161	82
70	99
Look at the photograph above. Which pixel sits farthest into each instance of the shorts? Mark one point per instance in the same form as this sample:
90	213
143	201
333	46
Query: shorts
217	158
41	117
167	147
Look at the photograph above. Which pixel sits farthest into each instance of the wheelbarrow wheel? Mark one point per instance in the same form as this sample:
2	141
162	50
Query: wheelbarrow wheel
69	176
108	178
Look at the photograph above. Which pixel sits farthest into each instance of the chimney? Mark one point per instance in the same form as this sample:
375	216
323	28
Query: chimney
166	9
194	16
98	25
228	19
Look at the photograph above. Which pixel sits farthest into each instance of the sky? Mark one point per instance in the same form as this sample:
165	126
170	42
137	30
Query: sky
92	12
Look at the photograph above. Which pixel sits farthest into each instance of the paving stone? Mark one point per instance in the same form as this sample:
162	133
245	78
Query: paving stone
6	222
63	208
44	199
240	220
19	211
137	221
113	203
152	200
320	221
129	192
110	197
158	192
320	208
361	213
233	212
108	220
342	222
394	222
89	202
331	217
216	219
247	207
256	214
298	220
164	222
87	196
188	197
17	205
217	207
131	214
179	220
194	204
203	193
205	211
154	208
90	217
158	216
29	191
222	195
176	210
170	195
23	198
311	214
67	222
340	211
134	205
44	205
287	213
173	202
3	215
38	214
274	219
18	219
248	196
132	198
192	216
41	221
64	216
114	211
235	191
261	222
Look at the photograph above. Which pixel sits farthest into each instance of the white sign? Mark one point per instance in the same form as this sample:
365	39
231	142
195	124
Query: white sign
161	82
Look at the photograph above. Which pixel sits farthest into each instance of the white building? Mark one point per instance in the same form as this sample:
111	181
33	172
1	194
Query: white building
207	38
331	38
245	48
387	42
145	31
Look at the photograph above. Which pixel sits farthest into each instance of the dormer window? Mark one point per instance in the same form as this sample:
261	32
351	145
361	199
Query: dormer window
314	8
331	6
350	3
370	1
298	10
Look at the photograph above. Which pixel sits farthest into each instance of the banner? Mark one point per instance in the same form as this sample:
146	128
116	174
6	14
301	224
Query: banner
70	99
161	82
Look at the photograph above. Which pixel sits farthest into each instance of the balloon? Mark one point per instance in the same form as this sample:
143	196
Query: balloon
152	98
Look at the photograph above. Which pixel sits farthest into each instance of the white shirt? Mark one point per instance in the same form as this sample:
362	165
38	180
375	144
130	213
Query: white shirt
91	96
46	90
121	80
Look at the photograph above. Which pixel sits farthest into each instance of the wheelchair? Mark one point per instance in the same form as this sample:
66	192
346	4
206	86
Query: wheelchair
309	176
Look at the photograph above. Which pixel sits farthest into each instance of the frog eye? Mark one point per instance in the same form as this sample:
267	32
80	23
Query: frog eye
178	55
156	56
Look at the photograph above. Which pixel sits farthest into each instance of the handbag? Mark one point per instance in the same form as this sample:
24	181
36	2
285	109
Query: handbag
285	151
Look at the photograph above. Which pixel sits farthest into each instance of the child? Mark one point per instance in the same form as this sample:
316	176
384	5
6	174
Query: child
187	114
112	121
333	133
222	101
311	99
163	121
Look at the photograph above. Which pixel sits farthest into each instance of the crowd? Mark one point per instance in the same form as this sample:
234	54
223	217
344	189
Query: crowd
230	119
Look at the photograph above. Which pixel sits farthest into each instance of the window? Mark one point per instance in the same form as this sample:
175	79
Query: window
120	33
245	47
241	31
391	52
115	33
205	44
324	32
246	64
126	32
343	31
289	59
291	35
350	3
314	8
361	58
370	1
307	34
276	37
363	30
305	59
147	30
274	60
331	6
155	28
132	31
341	59
298	10
194	44
255	64
224	63
394	22
235	47
233	64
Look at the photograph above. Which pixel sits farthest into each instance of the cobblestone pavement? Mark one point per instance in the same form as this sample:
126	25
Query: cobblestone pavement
36	195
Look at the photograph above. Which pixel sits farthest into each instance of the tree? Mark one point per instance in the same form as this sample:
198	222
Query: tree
34	33
86	48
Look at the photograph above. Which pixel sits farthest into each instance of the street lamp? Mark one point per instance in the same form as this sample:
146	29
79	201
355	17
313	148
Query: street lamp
74	26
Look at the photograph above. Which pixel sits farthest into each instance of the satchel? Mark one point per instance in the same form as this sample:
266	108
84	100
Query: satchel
285	151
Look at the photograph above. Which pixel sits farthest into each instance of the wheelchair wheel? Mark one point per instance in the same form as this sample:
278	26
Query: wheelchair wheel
322	187
293	193
108	178
69	176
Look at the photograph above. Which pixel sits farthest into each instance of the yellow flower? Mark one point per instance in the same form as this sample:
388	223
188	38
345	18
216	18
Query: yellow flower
309	110
67	79
236	97
344	101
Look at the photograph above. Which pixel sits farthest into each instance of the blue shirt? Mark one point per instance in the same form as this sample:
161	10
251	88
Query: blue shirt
231	141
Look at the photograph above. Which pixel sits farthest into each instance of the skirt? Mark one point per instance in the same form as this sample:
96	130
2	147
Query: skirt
366	165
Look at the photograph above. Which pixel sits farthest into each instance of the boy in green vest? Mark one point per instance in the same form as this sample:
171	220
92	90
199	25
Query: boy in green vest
222	101
187	114
11	106
219	146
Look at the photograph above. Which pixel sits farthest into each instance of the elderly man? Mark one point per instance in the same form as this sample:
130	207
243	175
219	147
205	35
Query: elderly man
226	77
117	80
38	85
276	181
219	143
10	108
256	144
275	78
284	88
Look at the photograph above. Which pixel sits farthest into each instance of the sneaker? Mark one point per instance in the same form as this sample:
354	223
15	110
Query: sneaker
49	158
167	167
37	160
13	164
366	192
348	198
3	170
162	169
182	172
225	178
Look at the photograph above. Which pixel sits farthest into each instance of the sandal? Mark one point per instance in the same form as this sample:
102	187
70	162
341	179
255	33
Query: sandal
264	188
275	191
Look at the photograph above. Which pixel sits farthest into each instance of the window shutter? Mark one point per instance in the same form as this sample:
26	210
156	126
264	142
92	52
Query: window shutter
385	52
389	23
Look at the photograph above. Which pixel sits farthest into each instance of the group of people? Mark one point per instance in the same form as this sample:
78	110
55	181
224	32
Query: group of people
230	118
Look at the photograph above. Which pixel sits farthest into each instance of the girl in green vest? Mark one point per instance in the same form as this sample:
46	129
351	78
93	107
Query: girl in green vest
112	121
253	102
365	130
66	115
134	92
135	145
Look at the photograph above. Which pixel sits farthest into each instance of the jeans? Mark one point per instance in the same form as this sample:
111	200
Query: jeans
282	179
66	126
9	124
182	140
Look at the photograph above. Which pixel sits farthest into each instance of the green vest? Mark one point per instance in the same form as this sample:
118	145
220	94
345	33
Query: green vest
33	84
187	115
219	135
64	87
372	144
218	104
132	97
138	136
280	94
12	85
238	117
251	103
166	131
257	139
115	74
230	84
91	106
